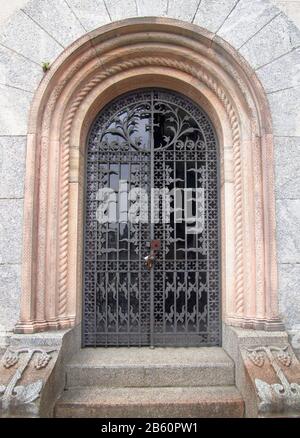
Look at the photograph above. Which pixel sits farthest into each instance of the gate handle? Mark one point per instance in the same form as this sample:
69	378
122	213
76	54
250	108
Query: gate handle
149	259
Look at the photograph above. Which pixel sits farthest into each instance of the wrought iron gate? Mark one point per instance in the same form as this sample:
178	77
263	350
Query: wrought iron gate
149	139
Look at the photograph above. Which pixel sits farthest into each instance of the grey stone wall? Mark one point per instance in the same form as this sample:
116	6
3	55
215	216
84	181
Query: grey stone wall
36	31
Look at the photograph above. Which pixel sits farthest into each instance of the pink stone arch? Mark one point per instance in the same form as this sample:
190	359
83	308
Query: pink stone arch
103	64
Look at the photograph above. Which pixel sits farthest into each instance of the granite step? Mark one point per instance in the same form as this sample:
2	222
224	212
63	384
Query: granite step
155	402
145	367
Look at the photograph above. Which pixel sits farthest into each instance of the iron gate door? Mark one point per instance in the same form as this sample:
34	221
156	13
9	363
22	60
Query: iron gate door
151	174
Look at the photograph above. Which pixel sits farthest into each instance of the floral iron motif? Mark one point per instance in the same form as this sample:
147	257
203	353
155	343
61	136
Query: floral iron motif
11	394
277	396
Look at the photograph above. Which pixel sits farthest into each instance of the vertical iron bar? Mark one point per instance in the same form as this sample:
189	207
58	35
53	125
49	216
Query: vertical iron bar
117	242
152	322
197	249
106	261
175	243
207	241
129	234
95	263
185	242
163	269
140	260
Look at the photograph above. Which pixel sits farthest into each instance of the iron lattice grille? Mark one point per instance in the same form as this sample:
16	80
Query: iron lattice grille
159	139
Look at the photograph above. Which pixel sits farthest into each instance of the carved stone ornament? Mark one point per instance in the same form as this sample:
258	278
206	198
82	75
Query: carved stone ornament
277	397
13	394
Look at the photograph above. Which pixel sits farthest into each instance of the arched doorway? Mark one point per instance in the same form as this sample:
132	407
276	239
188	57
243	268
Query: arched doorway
151	190
97	69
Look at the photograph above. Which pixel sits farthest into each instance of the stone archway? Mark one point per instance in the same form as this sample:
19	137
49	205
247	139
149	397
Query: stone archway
98	67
